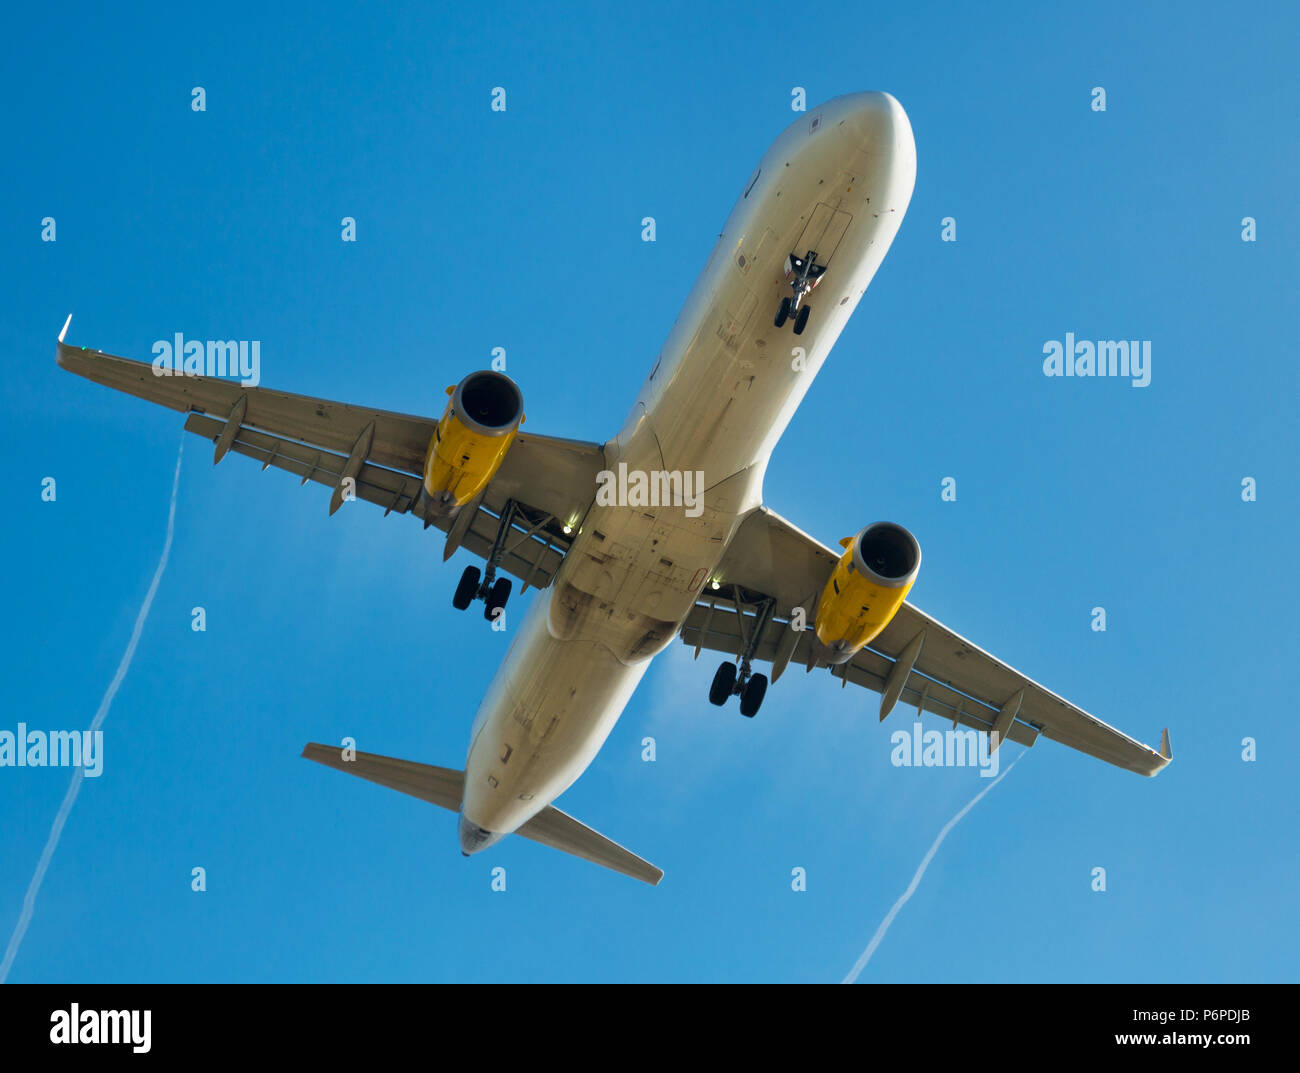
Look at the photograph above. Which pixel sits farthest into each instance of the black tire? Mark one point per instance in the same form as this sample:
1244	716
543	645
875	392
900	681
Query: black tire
752	699
801	319
783	314
467	588
723	682
497	597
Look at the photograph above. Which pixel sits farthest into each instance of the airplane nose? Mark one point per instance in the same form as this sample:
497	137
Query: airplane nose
884	137
878	116
473	837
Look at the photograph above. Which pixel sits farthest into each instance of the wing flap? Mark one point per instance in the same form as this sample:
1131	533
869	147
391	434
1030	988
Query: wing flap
385	487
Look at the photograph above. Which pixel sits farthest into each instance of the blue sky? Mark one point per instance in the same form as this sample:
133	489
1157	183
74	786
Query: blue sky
1071	493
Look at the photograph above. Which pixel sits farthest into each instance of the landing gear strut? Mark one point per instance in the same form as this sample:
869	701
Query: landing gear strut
803	274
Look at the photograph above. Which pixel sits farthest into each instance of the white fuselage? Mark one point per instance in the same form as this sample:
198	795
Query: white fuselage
720	394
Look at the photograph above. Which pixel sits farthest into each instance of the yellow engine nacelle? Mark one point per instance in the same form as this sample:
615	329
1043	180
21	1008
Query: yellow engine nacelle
468	446
866	588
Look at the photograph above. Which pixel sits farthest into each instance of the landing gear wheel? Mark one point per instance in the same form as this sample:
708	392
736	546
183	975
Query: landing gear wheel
801	319
783	314
752	698
497	598
724	681
467	589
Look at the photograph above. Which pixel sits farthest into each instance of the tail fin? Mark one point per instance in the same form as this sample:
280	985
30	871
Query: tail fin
445	788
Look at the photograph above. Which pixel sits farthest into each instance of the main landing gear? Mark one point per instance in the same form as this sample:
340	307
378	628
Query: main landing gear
803	273
738	679
492	590
731	680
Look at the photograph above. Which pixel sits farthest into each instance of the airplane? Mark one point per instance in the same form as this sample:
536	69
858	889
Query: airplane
621	576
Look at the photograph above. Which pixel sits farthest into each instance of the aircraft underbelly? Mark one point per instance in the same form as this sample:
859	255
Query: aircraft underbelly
723	389
728	381
548	711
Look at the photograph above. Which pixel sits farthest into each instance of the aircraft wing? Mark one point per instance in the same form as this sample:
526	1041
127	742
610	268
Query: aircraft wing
771	568
544	483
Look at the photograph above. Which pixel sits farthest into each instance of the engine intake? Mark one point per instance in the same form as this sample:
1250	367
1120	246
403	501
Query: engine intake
888	553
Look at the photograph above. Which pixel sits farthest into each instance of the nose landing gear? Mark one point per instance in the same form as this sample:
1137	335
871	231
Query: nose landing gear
803	274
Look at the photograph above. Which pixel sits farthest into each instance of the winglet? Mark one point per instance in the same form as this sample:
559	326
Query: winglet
65	328
1165	751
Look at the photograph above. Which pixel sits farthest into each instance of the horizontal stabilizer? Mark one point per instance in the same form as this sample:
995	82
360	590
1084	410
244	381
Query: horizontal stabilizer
441	786
445	787
559	830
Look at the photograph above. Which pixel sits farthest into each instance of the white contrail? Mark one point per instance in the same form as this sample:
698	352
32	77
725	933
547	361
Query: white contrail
916	879
51	843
